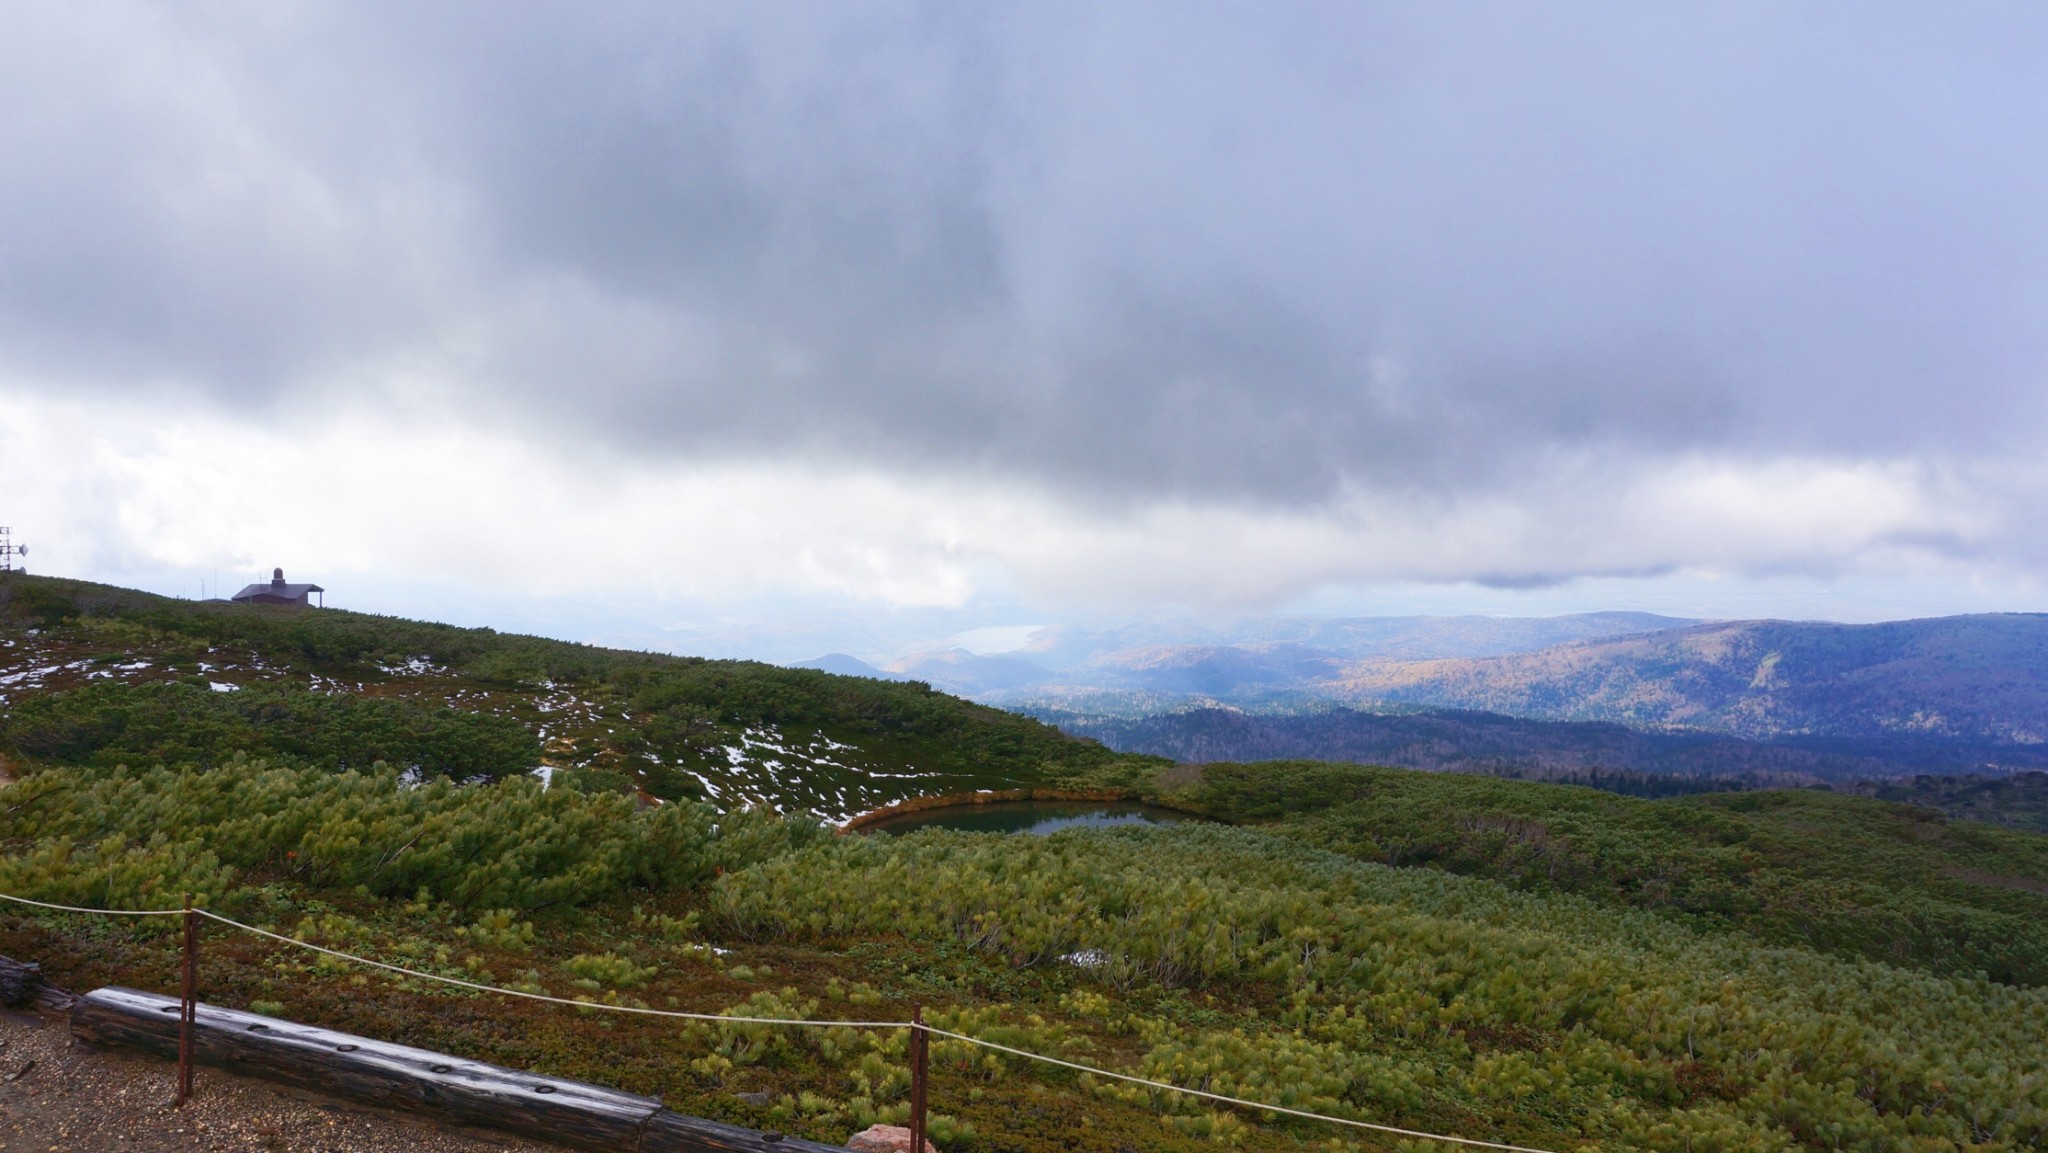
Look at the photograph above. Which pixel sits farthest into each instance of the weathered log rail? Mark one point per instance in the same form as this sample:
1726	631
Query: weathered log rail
22	986
398	1077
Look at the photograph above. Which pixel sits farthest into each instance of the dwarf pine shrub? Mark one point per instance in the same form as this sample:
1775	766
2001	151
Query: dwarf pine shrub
139	838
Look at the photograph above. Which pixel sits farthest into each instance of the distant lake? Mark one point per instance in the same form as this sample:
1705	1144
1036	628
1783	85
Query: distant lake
1037	818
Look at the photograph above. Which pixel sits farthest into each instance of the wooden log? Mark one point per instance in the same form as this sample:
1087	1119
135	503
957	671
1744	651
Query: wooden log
387	1076
668	1132
52	999
44	995
20	982
373	1073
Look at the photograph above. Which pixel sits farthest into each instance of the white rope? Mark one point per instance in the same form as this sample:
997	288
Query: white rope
555	1000
108	912
936	1032
1228	1100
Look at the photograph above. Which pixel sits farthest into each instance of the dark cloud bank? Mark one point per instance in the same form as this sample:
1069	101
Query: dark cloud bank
1241	253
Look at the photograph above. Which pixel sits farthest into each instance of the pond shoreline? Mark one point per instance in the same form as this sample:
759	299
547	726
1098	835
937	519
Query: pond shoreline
1007	796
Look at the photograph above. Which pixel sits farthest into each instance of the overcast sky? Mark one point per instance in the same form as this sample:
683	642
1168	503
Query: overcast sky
1033	309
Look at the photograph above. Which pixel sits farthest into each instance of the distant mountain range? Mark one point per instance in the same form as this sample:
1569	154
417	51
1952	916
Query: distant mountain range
840	664
956	671
1801	700
1974	678
1148	664
1069	647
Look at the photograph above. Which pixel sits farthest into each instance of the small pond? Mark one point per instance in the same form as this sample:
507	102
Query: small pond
1035	817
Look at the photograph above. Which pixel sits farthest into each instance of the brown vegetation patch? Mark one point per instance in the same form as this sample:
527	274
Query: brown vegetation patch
1998	880
1702	1082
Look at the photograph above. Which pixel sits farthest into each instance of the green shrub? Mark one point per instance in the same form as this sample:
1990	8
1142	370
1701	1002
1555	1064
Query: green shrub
499	929
167	722
144	837
608	970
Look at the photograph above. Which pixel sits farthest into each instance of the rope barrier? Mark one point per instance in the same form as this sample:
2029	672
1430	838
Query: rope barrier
545	997
107	912
936	1032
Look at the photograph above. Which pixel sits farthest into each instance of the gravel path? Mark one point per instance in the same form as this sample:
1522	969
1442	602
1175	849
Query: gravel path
58	1095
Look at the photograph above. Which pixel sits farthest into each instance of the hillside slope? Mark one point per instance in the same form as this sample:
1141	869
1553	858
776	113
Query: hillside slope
1982	678
93	674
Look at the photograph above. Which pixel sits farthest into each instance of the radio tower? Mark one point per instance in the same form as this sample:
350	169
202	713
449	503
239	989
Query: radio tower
9	550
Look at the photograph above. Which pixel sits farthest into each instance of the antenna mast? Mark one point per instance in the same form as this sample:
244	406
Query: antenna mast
9	550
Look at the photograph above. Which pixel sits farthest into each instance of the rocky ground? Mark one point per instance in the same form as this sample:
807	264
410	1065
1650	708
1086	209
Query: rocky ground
57	1095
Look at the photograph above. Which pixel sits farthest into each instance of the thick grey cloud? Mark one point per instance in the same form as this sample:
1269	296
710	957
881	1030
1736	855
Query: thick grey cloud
1136	251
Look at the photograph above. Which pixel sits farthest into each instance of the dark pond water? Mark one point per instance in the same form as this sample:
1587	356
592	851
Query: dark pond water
1035	817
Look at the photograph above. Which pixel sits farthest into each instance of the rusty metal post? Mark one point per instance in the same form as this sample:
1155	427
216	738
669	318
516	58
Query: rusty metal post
919	1049
188	1006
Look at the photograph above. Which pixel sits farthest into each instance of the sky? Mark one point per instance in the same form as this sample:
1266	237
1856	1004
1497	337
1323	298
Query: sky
761	326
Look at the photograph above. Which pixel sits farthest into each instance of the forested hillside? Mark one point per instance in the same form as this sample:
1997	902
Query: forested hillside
1540	964
1451	740
2019	800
